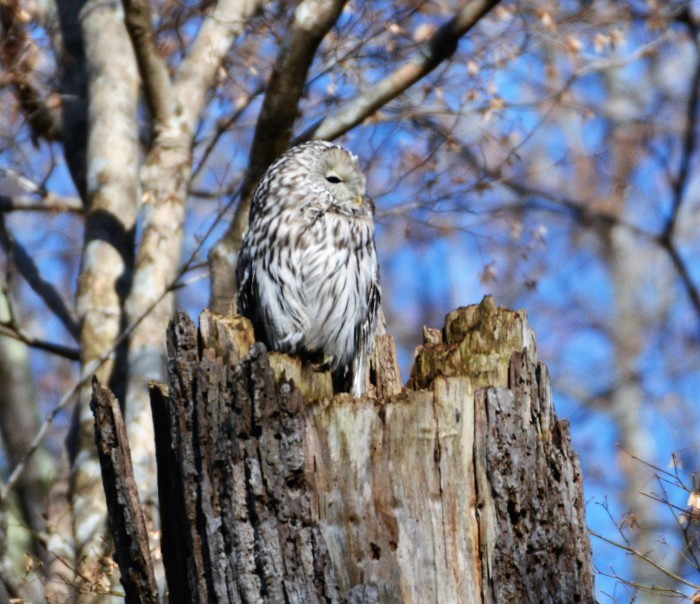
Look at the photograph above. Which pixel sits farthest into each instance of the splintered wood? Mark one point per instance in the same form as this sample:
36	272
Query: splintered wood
461	487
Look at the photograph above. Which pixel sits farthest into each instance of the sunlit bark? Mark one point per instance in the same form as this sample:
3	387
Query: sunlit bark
165	179
112	205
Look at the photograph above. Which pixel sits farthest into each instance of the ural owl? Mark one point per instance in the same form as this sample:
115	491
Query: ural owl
307	272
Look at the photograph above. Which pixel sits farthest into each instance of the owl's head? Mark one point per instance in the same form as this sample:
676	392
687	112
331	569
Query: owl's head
335	179
337	173
315	175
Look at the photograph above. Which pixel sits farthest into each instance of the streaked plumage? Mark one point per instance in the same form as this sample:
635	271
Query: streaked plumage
307	272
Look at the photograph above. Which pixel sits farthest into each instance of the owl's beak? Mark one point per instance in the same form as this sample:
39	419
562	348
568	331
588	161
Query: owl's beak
366	201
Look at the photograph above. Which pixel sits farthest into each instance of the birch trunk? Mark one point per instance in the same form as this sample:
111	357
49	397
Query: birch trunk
165	179
112	190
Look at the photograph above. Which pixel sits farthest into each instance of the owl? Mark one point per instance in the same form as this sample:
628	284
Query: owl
307	272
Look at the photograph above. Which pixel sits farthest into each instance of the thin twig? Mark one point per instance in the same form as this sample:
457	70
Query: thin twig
19	54
152	67
222	126
309	25
273	131
647	559
653	589
439	47
582	212
646	463
689	143
198	69
87	373
48	203
72	354
44	289
681	268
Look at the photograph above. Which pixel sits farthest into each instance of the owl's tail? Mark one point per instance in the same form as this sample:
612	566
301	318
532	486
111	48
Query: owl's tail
360	366
352	378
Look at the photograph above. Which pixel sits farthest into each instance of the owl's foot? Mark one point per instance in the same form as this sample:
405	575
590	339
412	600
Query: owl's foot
324	365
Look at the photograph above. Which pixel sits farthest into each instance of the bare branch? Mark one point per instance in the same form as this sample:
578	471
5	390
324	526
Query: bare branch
689	144
279	110
222	126
439	47
587	215
682	270
50	203
72	354
90	368
74	92
198	69
112	199
638	587
581	211
11	582
152	67
36	197
165	178
19	421
647	559
44	289
107	261
224	193
310	23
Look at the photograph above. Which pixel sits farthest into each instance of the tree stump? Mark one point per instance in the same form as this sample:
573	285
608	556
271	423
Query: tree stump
461	487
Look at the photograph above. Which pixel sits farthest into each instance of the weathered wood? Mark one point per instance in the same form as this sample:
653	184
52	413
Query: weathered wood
461	487
532	509
125	513
237	516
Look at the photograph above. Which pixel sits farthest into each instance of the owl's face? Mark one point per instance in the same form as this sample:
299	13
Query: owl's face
314	178
336	172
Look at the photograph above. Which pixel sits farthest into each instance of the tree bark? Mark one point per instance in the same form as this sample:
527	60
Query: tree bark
461	487
112	203
126	517
164	180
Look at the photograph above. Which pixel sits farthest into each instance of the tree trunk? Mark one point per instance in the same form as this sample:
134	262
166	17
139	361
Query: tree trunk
461	487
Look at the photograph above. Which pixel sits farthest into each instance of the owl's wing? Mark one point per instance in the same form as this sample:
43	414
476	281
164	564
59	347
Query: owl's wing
369	326
277	315
245	285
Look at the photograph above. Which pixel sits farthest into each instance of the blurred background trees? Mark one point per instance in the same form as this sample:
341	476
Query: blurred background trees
541	151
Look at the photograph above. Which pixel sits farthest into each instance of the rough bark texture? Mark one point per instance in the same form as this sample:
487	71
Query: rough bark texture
461	487
125	514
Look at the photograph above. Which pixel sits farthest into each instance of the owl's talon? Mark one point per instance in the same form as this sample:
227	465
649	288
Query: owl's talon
325	365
